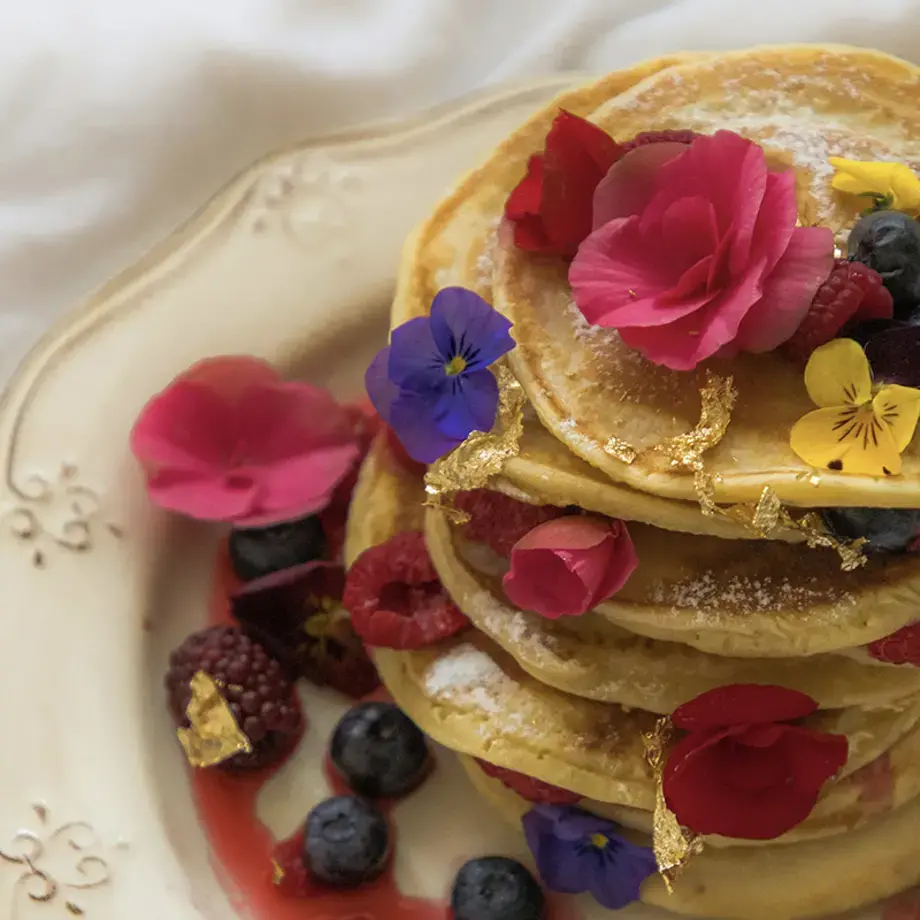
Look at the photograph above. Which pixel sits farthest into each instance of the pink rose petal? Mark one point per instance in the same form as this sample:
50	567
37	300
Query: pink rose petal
630	183
702	256
789	290
567	566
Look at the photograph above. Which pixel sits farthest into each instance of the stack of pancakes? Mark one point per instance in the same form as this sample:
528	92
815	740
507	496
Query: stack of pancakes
713	602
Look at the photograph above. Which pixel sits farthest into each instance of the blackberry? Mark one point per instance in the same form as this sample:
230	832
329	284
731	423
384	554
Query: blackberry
255	685
259	551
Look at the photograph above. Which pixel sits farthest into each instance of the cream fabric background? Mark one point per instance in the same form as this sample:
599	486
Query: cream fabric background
119	117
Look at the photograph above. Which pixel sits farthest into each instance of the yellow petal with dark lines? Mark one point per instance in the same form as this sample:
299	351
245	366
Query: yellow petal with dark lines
847	439
837	374
899	409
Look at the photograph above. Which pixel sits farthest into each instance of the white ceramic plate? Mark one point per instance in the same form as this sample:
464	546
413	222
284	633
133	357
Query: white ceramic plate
295	263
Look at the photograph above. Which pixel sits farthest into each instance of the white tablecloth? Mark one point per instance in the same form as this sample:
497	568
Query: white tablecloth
118	117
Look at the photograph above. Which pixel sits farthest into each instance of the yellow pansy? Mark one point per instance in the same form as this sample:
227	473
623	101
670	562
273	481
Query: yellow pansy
894	183
853	431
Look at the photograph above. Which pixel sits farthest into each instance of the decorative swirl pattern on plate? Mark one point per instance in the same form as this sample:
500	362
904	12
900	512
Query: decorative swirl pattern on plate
83	870
75	507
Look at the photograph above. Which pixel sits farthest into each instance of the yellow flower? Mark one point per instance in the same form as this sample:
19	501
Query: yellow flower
853	431
894	183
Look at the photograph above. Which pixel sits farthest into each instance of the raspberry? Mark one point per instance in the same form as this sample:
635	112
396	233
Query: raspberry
533	790
395	597
645	138
257	689
901	647
500	521
853	292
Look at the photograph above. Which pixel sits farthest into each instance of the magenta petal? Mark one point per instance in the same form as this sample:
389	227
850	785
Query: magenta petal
230	375
211	498
301	484
789	290
569	565
630	183
187	427
618	276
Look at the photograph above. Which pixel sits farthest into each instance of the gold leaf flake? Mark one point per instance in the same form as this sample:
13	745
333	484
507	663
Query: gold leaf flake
277	873
717	398
481	456
213	735
673	845
851	552
620	450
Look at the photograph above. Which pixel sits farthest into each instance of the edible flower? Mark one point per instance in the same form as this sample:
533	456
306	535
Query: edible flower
552	205
745	768
230	440
892	185
697	254
577	852
298	615
432	384
567	566
853	431
894	354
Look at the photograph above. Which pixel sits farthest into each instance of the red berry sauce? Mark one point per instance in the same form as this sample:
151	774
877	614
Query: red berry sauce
242	847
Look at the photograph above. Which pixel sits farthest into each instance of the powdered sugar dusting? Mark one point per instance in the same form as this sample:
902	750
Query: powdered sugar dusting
713	594
485	261
586	333
468	673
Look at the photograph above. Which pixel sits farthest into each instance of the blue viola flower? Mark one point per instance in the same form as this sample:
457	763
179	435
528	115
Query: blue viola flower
432	384
576	851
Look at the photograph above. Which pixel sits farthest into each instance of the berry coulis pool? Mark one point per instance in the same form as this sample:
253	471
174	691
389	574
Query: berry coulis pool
242	846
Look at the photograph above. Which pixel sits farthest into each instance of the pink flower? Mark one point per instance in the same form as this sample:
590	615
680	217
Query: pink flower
568	566
229	440
696	253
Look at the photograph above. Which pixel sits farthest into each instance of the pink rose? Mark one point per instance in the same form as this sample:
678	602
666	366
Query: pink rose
568	566
229	440
696	253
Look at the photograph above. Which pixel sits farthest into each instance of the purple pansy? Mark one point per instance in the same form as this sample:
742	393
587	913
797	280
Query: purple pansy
576	851
894	355
432	384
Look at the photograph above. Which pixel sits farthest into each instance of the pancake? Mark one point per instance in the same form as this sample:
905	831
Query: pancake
803	104
592	657
454	690
813	878
881	786
453	247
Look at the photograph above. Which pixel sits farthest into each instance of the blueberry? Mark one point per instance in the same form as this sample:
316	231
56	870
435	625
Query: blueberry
888	530
259	551
496	888
346	842
379	751
889	243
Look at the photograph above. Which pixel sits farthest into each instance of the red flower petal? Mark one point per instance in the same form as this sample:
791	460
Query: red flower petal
717	784
742	704
567	566
578	155
551	208
524	200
